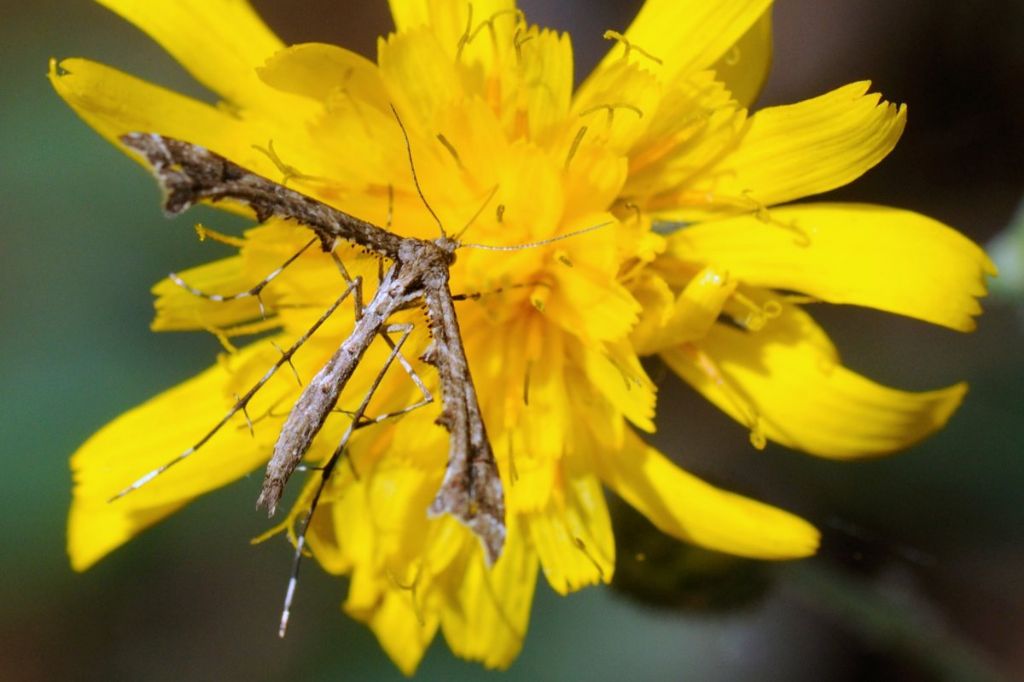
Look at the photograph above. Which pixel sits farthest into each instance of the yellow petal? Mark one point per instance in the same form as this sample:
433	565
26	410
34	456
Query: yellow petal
692	313
616	104
657	302
587	303
786	385
317	70
545	72
146	437
419	75
221	42
684	36
585	298
744	68
690	509
695	124
884	258
616	375
488	620
403	629
573	536
798	150
115	103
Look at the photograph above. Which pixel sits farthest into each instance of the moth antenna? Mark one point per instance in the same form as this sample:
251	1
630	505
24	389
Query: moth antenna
477	295
239	405
479	211
543	242
254	291
339	452
412	167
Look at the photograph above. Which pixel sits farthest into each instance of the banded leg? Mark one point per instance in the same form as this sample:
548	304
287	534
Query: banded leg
243	401
406	330
256	290
358	420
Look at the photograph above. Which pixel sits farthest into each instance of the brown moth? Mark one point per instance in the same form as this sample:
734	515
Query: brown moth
471	490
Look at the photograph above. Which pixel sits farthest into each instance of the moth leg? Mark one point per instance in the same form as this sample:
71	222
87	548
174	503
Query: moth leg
256	290
357	301
426	396
359	420
243	401
404	328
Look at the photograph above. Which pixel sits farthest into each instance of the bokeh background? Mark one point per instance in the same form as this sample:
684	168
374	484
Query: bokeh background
922	572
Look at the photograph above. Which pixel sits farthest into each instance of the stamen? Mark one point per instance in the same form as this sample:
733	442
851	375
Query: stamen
539	298
266	535
469	36
758	315
745	202
500	213
638	214
610	109
205	233
391	207
519	38
575	146
451	150
629	47
287	172
762	213
222	339
465	37
526	382
744	407
411	588
513	472
580	545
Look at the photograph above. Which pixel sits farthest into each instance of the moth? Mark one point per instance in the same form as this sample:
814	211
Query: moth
471	489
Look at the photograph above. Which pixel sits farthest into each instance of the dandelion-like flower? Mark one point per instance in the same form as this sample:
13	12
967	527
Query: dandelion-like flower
701	262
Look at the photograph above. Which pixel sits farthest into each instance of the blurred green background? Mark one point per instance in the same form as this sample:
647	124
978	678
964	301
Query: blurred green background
922	571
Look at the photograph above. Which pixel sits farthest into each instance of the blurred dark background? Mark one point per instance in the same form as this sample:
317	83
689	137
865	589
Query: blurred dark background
922	571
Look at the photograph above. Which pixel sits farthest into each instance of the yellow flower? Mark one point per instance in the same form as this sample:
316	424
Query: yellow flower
702	264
